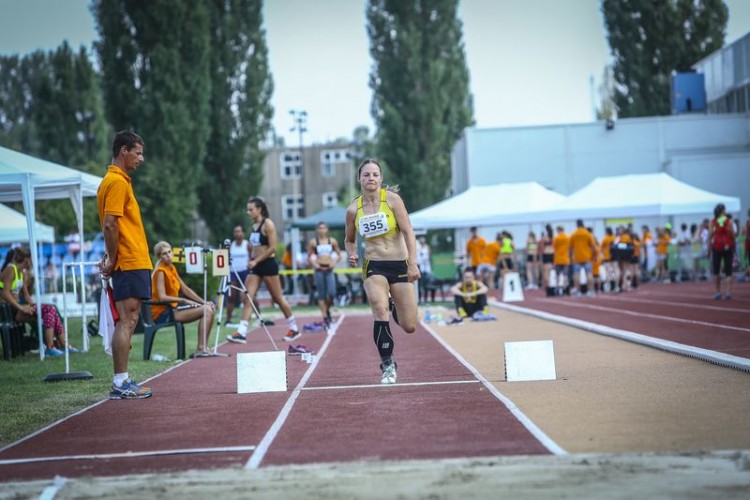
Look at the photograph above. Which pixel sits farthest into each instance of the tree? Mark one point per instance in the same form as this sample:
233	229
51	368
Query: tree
421	101
239	114
650	39
155	74
52	110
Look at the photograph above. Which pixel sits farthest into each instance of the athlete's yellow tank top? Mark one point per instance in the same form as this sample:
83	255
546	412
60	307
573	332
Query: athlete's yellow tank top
17	283
465	289
507	246
381	223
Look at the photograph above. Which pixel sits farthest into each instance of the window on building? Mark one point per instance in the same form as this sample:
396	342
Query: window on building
329	158
292	205
330	200
291	165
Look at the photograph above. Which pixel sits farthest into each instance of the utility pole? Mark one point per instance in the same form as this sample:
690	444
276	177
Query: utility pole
300	126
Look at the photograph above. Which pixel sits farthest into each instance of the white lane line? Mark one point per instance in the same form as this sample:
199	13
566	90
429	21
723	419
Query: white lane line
679	304
378	386
646	315
128	454
707	295
260	452
535	431
715	357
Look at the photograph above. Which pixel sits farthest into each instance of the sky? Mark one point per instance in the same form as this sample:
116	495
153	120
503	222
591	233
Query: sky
530	61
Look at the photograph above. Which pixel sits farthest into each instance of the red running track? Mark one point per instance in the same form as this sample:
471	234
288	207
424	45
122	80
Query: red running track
335	417
680	312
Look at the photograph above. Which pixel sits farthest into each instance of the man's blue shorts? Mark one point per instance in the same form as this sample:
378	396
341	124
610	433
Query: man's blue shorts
585	265
134	284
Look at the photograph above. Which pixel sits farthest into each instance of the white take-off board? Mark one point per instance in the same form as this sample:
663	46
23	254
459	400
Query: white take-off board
261	372
533	360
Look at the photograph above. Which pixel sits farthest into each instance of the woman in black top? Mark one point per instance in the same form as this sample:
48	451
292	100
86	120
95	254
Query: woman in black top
263	267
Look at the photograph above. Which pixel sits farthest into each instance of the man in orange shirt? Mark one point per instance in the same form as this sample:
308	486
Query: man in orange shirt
488	262
127	261
583	249
561	244
663	240
474	249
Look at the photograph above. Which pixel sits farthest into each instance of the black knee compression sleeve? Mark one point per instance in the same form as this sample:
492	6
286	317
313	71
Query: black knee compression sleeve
381	333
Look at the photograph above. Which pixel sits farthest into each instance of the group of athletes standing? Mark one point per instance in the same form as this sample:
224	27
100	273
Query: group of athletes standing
577	263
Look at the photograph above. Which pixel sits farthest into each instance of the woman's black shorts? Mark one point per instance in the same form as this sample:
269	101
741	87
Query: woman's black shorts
548	258
393	270
722	256
268	267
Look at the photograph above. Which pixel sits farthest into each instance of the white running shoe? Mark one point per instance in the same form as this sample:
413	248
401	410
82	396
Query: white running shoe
389	373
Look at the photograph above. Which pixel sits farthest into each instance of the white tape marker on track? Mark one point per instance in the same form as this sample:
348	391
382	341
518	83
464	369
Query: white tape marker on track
260	452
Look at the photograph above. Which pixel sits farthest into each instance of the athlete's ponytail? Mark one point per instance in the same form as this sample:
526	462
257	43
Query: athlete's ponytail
260	203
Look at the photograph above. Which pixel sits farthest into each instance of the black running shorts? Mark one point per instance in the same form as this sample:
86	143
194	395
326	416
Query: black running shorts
268	267
393	270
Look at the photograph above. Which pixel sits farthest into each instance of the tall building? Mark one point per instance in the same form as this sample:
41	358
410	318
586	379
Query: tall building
727	77
301	182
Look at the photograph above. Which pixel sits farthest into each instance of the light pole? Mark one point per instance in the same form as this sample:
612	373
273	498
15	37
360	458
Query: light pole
300	126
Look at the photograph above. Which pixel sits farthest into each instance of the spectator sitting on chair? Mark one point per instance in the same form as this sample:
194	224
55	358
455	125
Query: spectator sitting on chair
469	295
14	290
166	286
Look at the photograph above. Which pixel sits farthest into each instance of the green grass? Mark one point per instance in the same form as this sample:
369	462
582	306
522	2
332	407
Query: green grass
28	403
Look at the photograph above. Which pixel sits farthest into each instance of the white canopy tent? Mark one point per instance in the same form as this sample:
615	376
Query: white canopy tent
638	195
514	203
15	228
25	178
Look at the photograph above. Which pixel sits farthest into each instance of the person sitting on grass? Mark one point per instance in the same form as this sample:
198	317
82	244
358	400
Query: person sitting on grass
469	296
166	286
14	290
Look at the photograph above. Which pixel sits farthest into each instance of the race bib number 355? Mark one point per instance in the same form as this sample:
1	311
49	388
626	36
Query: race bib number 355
373	225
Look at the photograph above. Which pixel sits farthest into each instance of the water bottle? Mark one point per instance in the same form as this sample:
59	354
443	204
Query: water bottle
161	358
427	316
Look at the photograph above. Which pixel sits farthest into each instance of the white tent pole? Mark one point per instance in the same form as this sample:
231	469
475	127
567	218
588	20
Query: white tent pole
65	309
28	206
77	199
